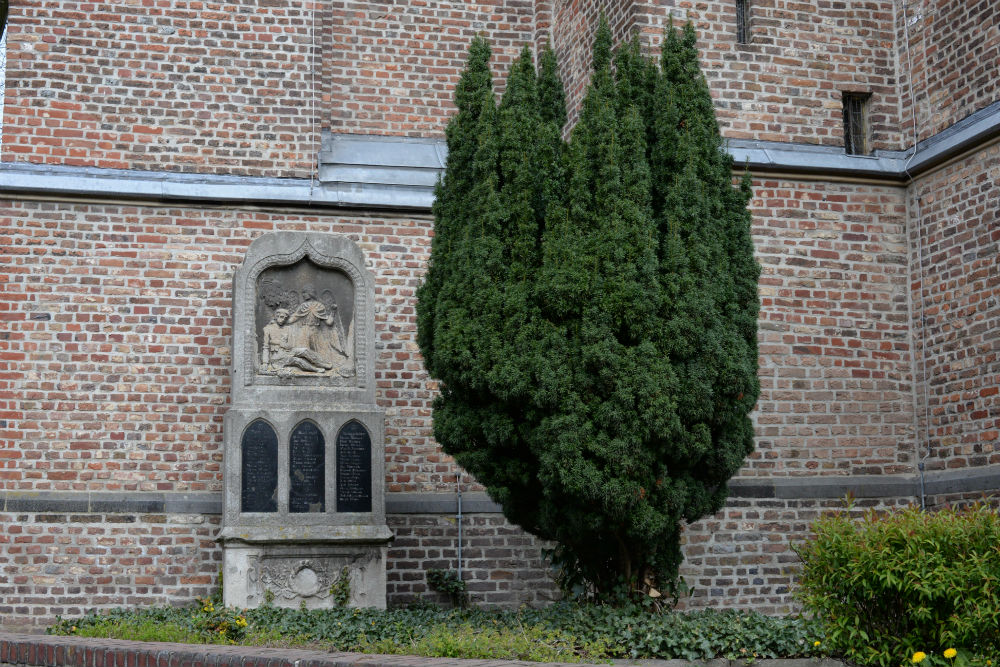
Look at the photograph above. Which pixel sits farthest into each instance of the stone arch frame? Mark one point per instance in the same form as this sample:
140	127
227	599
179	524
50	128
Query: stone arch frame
327	251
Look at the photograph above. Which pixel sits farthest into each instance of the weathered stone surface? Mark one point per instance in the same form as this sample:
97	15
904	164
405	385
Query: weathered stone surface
304	428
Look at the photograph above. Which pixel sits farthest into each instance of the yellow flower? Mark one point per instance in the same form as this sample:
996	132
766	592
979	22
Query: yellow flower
816	643
918	657
950	653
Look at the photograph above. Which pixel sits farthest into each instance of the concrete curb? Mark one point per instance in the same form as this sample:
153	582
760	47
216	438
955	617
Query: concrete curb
25	650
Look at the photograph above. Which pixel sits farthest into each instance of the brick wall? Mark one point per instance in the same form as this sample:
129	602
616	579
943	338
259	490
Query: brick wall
222	87
244	87
743	557
124	314
949	62
68	563
834	330
573	30
785	85
115	318
392	66
955	243
502	565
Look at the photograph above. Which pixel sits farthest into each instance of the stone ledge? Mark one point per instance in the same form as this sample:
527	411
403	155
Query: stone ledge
23	650
985	479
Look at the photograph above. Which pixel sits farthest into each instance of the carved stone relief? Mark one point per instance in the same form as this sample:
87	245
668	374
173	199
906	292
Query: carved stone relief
292	579
305	322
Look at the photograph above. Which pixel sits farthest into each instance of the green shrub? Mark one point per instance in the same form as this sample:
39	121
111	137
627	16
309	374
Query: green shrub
449	583
523	643
892	585
140	631
590	308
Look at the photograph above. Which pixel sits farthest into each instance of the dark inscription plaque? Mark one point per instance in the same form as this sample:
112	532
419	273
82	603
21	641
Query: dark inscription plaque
354	469
306	469
259	478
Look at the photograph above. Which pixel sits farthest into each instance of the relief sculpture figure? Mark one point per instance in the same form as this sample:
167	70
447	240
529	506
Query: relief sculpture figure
280	352
306	339
320	328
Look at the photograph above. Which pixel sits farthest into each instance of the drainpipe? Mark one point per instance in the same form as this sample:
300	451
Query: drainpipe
458	489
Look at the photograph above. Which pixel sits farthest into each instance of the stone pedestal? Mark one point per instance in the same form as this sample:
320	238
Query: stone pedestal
304	520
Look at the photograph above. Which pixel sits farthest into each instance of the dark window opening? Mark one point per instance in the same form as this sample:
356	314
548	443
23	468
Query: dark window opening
743	21
857	133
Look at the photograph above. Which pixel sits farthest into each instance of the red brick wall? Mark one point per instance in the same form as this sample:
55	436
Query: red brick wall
956	296
115	319
223	87
785	85
949	58
834	330
67	564
501	565
573	29
124	314
392	66
243	87
744	556
114	359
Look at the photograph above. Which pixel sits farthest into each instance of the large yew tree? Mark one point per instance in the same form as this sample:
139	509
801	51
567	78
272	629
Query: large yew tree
590	308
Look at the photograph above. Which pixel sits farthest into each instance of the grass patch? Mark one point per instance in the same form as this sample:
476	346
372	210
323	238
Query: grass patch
563	632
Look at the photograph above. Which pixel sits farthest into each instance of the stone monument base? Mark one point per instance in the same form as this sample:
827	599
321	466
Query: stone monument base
316	575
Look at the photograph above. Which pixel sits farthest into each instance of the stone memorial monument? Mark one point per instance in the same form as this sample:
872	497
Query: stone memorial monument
304	517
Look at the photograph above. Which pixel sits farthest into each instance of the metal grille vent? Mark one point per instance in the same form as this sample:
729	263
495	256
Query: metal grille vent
743	21
857	135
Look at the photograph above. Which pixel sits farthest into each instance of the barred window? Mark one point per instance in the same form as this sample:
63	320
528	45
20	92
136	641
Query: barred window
857	131
743	21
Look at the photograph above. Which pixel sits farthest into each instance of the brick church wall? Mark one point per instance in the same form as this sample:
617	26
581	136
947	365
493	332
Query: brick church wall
955	246
221	87
68	563
948	60
392	66
878	298
834	330
784	85
124	314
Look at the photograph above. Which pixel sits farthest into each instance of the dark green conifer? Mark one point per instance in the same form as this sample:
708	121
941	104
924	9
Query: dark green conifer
591	310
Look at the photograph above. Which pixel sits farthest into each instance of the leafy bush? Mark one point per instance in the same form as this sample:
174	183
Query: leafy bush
448	582
893	586
564	632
